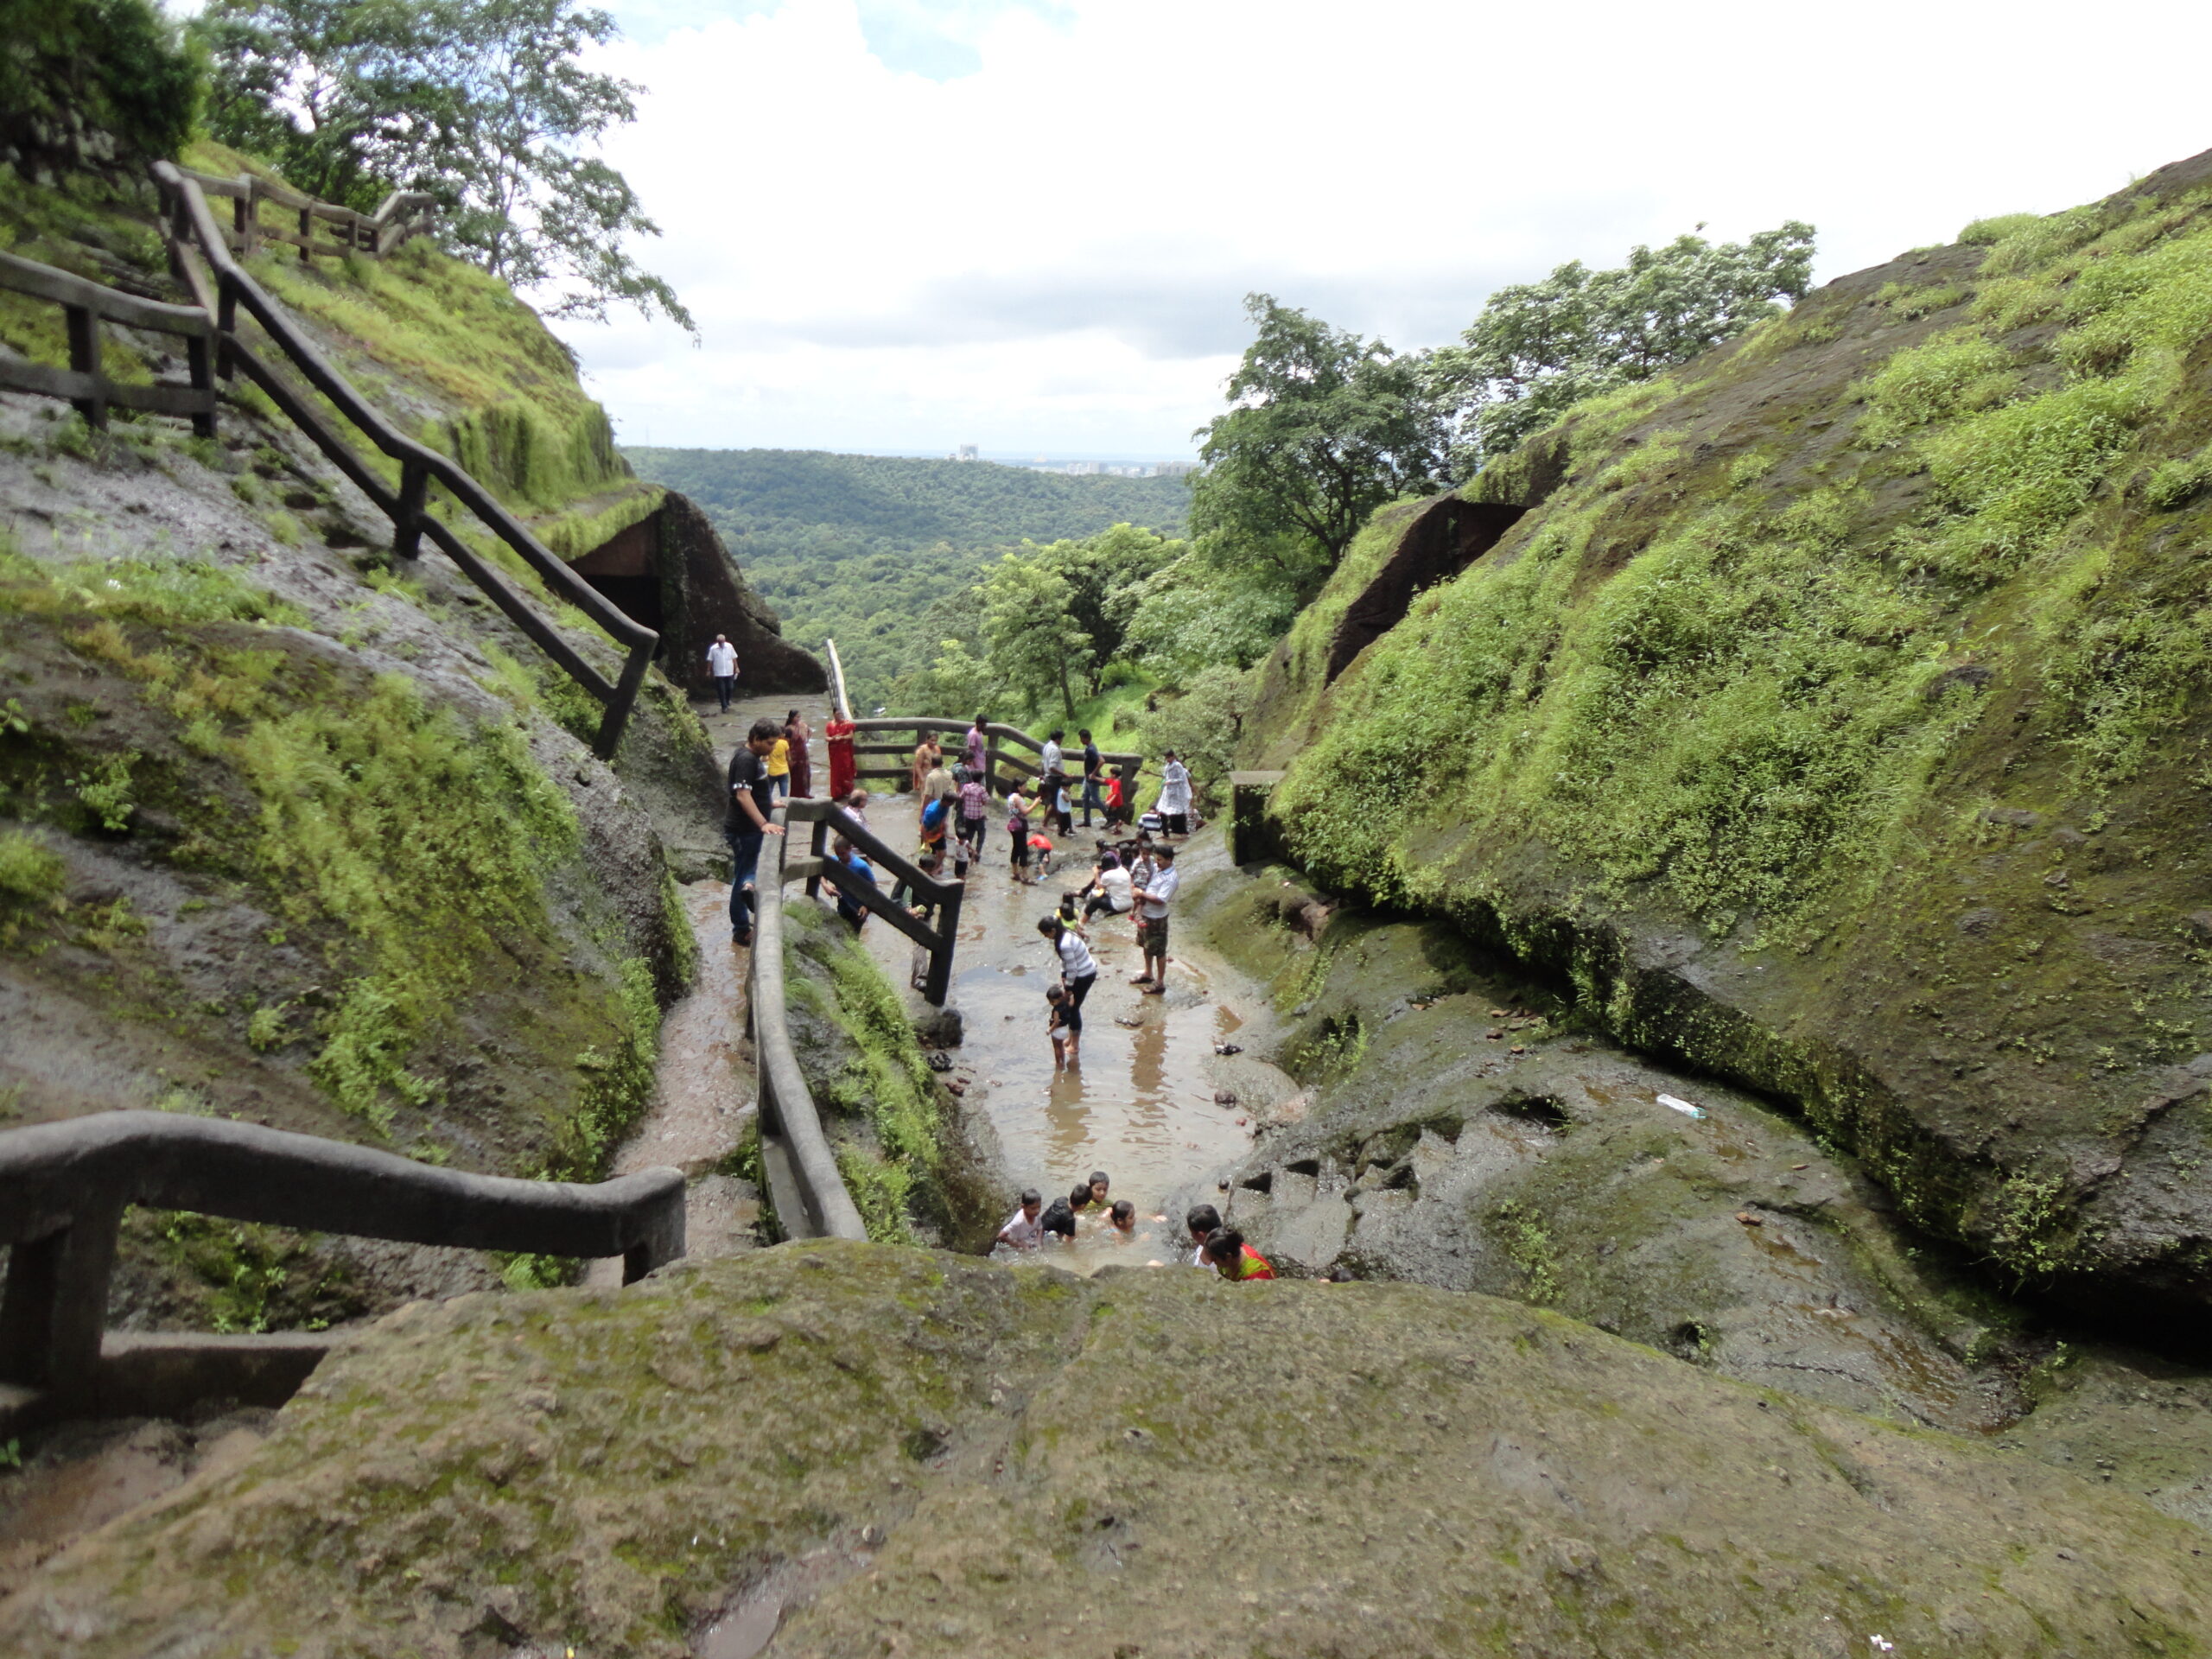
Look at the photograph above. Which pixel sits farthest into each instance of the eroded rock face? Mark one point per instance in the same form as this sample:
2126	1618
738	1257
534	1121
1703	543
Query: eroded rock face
1458	1131
931	1455
1833	722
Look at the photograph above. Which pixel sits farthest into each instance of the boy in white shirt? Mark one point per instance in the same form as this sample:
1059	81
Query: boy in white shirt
1158	894
1023	1230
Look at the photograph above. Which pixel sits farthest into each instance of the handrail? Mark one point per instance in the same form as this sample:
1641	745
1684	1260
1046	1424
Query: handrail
87	305
993	757
384	229
66	1186
825	1209
838	678
193	235
941	898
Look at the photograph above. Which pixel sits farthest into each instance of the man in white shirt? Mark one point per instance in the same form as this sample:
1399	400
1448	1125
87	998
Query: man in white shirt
721	663
1159	892
1175	797
1024	1230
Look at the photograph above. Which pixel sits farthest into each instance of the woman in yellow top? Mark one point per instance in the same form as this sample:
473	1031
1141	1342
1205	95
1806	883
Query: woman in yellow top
780	767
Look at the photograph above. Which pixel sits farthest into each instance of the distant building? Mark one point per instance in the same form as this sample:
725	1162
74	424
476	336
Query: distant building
1175	469
967	452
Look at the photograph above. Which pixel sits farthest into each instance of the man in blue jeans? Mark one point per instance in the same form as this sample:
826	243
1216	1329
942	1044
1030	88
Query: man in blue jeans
752	798
1094	778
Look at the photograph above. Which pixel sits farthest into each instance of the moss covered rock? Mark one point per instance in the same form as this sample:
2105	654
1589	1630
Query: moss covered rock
1835	721
900	1452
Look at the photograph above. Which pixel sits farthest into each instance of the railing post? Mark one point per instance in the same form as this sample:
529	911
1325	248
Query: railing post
56	1306
407	520
226	325
201	375
938	985
85	357
819	846
241	220
307	235
619	705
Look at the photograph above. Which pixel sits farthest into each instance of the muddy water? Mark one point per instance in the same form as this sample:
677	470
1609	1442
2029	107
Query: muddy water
1141	1103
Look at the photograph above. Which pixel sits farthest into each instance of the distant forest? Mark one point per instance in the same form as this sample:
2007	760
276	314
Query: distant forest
858	547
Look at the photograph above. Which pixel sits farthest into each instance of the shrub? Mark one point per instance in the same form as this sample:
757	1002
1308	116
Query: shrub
29	874
1987	233
118	66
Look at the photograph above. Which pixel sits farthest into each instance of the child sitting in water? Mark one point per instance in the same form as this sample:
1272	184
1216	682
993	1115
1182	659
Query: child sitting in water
1228	1254
1063	1026
1121	1222
1059	1222
1100	1187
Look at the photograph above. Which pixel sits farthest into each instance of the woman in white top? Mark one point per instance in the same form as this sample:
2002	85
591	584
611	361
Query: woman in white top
1079	967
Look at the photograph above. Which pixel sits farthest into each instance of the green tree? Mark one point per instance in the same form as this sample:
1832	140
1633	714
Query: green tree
1208	609
1204	727
1324	427
1104	573
1540	348
485	104
1035	645
79	76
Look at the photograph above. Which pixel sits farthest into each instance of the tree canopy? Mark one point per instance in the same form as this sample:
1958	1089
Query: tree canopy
1540	348
73	71
484	103
1323	427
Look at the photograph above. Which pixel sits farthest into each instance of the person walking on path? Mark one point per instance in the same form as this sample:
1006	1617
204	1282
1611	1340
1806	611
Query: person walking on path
843	771
926	755
1158	894
1093	765
938	799
1050	762
752	798
975	807
801	763
721	663
978	754
1175	797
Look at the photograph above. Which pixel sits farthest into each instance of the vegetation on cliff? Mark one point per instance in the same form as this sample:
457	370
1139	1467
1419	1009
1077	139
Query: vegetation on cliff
1870	649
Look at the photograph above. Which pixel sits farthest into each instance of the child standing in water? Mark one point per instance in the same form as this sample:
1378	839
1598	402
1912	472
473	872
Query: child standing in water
1064	1025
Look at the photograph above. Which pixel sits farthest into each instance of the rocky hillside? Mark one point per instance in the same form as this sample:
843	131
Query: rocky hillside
942	1456
1831	715
289	831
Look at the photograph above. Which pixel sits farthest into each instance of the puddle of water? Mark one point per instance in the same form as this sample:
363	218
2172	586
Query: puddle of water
1141	1103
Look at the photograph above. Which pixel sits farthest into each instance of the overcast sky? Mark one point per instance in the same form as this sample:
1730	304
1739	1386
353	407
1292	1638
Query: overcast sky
1030	225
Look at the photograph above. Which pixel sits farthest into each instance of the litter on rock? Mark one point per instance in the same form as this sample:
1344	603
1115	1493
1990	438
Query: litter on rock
1682	1106
1227	1048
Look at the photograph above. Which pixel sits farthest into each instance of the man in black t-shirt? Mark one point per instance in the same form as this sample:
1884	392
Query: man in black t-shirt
1094	778
752	798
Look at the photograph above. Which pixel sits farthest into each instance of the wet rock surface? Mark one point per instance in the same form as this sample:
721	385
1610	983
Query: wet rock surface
1461	1130
874	1450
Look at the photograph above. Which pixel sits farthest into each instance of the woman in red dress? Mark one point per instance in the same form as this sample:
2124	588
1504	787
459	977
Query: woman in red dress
839	732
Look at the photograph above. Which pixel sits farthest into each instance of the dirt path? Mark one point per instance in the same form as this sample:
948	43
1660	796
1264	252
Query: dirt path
705	1095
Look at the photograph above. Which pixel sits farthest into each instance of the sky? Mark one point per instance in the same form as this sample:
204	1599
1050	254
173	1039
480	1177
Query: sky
1030	225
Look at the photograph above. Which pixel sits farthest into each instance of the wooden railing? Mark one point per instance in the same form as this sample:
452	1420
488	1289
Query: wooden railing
64	1187
808	1194
87	307
997	757
404	214
805	1187
202	254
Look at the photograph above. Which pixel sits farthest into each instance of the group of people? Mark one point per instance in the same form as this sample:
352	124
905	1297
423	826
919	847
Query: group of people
1214	1246
1036	1223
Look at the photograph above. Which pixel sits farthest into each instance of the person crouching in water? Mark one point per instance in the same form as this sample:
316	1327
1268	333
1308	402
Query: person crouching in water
1228	1254
1064	1025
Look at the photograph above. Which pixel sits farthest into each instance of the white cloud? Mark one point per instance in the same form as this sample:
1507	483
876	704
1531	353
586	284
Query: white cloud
907	224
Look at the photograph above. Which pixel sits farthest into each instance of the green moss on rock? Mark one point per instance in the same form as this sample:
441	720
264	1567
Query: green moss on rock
939	1456
1836	721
